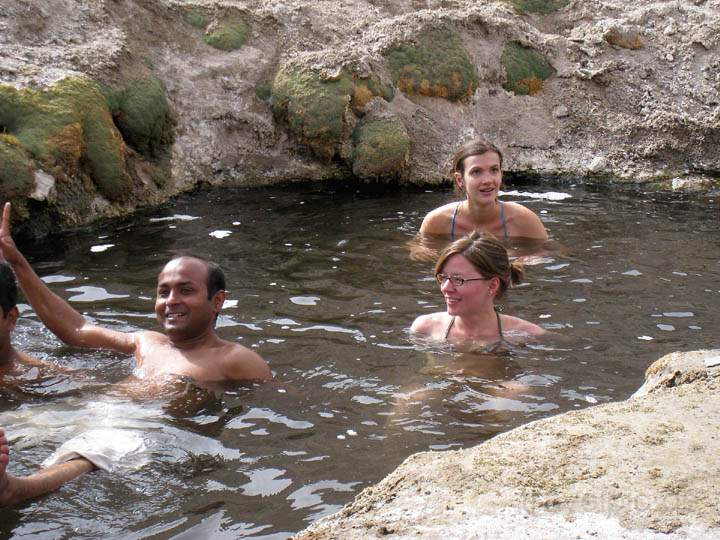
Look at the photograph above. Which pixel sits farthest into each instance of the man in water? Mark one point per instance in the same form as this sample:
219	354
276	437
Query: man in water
16	489
10	357
190	295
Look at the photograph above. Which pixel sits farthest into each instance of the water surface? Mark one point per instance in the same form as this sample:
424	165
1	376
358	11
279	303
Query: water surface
321	285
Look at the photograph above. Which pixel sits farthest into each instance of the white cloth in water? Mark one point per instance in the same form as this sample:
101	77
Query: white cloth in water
109	449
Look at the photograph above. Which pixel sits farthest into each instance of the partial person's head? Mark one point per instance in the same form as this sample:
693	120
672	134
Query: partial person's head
8	289
8	304
190	295
487	256
474	147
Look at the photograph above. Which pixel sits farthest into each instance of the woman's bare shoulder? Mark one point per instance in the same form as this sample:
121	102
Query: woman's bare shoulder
524	222
521	326
429	324
437	221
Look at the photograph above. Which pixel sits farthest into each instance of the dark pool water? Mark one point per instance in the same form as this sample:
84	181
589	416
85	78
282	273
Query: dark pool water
320	283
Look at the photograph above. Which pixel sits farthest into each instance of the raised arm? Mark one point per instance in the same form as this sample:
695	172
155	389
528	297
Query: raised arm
66	323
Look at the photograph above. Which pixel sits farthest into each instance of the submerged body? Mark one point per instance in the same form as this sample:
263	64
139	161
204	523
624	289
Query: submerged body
473	273
190	294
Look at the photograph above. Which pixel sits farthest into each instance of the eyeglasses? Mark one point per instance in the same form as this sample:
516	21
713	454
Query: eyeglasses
457	281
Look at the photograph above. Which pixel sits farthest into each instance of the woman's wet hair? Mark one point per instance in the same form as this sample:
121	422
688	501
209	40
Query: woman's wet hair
488	255
215	275
8	289
474	147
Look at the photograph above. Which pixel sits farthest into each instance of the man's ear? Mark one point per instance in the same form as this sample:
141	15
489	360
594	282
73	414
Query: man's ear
218	301
12	317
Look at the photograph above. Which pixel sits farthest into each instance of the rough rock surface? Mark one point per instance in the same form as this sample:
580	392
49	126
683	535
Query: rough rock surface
643	468
634	94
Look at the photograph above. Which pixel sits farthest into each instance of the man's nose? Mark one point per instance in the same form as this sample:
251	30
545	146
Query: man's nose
172	297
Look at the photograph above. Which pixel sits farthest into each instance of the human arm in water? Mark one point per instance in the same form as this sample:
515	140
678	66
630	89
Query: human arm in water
16	489
66	323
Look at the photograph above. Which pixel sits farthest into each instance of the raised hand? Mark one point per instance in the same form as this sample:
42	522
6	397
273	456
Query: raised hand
8	250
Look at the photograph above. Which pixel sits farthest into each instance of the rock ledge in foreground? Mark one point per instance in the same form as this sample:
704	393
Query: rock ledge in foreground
643	468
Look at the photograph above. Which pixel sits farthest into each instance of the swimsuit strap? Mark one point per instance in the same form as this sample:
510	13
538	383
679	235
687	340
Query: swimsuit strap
447	332
504	224
452	223
497	314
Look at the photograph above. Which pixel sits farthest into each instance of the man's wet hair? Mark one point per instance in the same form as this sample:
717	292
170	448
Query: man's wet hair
215	277
8	289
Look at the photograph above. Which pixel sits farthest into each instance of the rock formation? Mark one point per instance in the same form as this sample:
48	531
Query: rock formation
171	94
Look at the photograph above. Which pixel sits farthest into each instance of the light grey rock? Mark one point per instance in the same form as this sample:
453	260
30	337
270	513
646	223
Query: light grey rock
598	164
561	111
44	184
643	468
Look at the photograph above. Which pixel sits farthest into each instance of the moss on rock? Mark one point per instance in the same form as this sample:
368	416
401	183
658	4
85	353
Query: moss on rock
382	149
228	36
68	127
313	107
368	88
437	64
539	6
263	91
142	113
526	69
16	169
196	17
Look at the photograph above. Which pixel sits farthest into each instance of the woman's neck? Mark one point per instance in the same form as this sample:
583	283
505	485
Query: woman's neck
482	214
481	324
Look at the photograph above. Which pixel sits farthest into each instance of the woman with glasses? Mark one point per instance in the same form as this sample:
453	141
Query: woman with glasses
473	273
477	172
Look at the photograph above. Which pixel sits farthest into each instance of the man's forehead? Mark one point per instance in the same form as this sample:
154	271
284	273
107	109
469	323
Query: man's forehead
184	269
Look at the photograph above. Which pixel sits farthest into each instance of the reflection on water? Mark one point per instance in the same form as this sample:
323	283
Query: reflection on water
321	284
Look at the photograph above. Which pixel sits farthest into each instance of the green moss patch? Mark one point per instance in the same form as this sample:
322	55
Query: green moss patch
68	128
263	91
228	37
142	113
367	88
526	69
382	149
16	169
197	18
314	108
437	64
539	6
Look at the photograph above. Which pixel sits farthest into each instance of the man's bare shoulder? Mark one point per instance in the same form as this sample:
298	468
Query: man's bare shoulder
437	221
241	363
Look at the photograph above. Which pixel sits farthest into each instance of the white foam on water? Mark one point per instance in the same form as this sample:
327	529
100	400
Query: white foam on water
220	234
57	279
548	195
174	217
100	248
305	300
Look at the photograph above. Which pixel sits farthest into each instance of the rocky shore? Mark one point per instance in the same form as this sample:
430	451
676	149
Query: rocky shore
639	469
113	104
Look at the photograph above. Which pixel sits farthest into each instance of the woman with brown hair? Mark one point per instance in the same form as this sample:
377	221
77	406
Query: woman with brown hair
477	173
473	273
